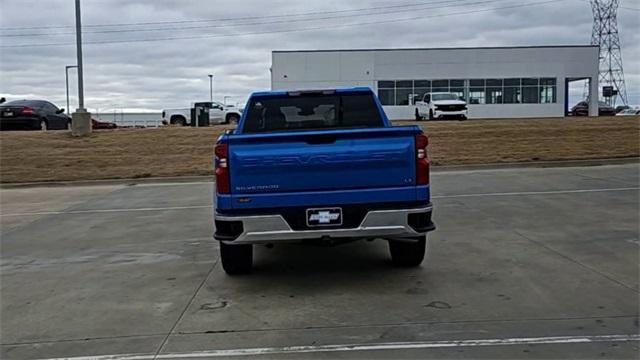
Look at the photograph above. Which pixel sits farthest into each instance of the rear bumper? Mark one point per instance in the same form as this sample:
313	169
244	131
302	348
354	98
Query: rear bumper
20	123
396	223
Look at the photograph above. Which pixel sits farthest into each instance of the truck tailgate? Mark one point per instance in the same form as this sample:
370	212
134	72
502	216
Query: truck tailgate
335	160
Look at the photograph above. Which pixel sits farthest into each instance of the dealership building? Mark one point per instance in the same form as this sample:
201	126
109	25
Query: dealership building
496	82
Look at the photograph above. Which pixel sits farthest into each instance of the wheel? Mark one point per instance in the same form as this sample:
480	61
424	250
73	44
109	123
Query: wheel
418	117
408	253
236	259
430	114
232	119
462	118
178	120
43	125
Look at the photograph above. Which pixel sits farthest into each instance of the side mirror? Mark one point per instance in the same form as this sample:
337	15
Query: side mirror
60	111
2	100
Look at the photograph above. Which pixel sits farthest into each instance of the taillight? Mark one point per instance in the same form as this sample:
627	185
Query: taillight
422	162
222	168
26	110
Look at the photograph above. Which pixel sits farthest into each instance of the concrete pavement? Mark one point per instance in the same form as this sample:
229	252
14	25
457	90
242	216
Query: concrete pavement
526	263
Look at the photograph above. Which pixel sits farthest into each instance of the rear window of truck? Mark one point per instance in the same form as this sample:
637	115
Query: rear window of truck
311	112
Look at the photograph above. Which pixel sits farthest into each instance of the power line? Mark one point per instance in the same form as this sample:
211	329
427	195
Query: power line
286	30
621	7
455	4
233	18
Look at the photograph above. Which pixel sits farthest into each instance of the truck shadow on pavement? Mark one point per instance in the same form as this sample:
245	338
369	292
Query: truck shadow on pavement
358	256
321	269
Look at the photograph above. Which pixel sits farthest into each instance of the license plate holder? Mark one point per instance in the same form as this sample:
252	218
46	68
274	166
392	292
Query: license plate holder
8	113
324	217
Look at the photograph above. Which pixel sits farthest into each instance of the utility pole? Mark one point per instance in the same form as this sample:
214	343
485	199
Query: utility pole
81	119
210	87
66	73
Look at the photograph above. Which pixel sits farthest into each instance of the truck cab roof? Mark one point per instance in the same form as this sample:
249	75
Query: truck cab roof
342	90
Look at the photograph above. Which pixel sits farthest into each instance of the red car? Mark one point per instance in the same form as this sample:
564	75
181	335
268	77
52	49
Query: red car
97	124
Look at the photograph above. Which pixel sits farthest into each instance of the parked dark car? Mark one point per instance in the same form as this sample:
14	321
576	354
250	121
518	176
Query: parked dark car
98	124
32	115
621	108
629	112
582	109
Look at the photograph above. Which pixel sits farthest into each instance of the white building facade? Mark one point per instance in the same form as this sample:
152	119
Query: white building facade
496	82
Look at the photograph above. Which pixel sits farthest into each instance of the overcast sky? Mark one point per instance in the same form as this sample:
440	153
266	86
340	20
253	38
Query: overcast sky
173	73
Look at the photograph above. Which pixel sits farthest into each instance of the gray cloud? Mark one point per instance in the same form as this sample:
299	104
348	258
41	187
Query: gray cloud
159	74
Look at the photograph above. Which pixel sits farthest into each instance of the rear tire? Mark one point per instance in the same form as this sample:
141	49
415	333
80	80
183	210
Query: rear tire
430	114
232	119
179	121
408	254
236	259
418	117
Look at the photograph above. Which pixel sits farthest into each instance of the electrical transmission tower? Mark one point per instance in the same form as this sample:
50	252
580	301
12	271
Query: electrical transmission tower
605	34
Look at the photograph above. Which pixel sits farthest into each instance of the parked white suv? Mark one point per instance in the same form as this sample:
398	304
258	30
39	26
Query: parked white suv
441	105
218	114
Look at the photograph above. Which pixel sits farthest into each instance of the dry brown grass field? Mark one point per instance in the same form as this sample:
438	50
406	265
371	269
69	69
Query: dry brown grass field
135	153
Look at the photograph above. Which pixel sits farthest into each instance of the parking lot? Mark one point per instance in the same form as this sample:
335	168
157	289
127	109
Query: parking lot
525	263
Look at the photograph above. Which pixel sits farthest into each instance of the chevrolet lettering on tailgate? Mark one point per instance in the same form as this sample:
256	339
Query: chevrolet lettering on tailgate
295	160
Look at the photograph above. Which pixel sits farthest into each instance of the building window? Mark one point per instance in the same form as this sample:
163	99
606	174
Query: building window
440	86
476	95
512	95
512	91
494	95
386	92
476	83
420	88
494	91
494	82
474	91
404	89
457	87
547	90
530	91
386	96
530	95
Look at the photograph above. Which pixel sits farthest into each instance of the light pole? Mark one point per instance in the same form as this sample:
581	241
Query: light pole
81	119
79	55
66	73
210	87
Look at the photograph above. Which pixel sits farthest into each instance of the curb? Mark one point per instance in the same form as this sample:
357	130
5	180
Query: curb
434	169
538	164
126	182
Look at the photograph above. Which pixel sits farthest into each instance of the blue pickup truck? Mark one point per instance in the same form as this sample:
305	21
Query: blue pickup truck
324	167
